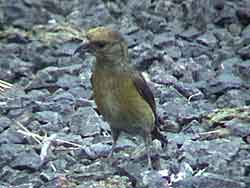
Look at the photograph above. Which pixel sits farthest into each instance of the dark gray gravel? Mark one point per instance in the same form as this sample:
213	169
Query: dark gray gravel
197	55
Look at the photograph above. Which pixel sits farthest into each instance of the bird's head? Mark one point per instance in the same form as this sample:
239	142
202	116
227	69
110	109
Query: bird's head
105	44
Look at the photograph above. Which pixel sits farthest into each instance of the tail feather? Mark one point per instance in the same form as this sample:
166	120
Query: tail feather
156	134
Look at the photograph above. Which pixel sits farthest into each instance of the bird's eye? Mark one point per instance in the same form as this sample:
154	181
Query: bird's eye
100	44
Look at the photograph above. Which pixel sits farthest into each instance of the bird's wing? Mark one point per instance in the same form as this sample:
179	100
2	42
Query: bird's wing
144	90
146	93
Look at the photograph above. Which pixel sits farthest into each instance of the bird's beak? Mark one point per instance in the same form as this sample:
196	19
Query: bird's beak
83	48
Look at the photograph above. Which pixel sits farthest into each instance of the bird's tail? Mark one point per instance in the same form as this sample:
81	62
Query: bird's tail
156	134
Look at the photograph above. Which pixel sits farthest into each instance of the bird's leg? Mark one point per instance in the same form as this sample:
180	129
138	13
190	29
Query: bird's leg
148	144
115	134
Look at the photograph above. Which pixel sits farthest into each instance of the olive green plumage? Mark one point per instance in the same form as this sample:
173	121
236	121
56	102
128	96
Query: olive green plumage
121	94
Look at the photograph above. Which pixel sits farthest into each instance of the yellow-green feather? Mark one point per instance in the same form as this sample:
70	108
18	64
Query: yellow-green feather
115	94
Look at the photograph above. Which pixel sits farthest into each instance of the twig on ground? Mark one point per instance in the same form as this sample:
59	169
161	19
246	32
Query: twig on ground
53	167
46	142
26	132
69	143
4	85
194	95
220	133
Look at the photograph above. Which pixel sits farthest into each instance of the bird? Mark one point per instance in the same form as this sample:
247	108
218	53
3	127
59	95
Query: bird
121	93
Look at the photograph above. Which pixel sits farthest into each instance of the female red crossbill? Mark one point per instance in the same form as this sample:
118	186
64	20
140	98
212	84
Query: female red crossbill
121	94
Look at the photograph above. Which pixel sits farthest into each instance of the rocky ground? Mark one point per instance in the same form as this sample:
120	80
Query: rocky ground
197	55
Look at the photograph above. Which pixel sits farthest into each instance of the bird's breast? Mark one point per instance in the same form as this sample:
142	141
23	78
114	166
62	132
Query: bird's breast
119	102
110	93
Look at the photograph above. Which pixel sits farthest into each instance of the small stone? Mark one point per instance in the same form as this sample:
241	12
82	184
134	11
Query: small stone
246	32
233	98
4	123
51	121
244	15
223	149
86	122
59	181
11	136
209	180
234	29
7	173
194	127
243	69
244	52
163	40
68	81
208	39
239	127
174	52
27	160
153	179
190	34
